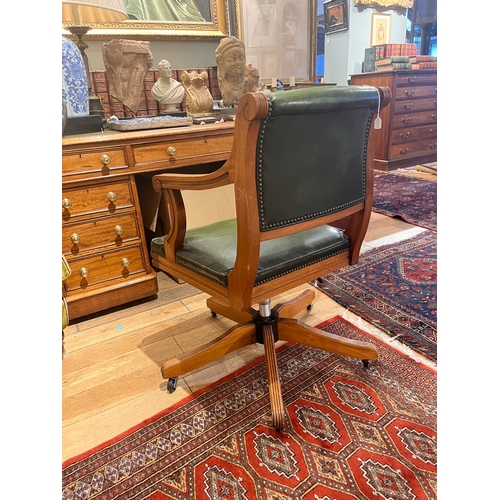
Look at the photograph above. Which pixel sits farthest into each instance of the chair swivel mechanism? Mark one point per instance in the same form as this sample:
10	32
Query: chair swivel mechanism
301	161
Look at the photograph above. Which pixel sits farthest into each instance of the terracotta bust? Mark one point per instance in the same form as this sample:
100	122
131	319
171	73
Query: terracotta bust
167	90
127	62
251	78
230	58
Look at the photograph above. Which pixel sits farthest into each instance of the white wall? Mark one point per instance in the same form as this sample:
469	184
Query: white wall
345	51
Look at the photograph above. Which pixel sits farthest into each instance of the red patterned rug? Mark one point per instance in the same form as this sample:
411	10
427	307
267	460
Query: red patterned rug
394	287
350	434
412	199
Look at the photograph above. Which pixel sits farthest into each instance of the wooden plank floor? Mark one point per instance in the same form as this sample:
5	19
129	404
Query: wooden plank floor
111	377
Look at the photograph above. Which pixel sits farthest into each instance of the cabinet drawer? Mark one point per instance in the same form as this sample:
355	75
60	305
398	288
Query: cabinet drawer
415	105
99	199
108	268
102	161
413	148
416	79
412	134
414	119
114	231
173	152
414	92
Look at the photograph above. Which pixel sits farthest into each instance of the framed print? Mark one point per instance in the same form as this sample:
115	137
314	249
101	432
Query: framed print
381	29
159	19
336	16
279	37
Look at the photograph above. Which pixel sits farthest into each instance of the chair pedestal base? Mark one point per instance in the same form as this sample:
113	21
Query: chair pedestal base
253	328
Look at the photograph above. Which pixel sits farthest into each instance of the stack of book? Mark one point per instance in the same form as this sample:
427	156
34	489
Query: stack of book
423	62
395	49
385	51
148	105
393	63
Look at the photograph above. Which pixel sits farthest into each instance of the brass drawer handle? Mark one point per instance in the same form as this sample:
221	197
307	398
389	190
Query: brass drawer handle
105	159
118	229
111	197
408	106
412	79
125	262
84	272
410	92
75	238
404	136
434	117
401	152
66	203
406	120
433	146
171	151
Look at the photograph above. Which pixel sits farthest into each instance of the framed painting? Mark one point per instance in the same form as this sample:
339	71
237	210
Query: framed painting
336	16
381	29
158	20
405	4
279	37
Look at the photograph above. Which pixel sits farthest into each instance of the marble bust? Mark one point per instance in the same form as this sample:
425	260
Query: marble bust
230	58
166	90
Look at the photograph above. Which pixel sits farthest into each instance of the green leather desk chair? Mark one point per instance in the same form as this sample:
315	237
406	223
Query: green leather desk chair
301	161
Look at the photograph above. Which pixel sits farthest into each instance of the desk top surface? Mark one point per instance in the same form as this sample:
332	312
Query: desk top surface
115	136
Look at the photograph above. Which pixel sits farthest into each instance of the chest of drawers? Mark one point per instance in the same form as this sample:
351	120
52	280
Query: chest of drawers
103	234
409	124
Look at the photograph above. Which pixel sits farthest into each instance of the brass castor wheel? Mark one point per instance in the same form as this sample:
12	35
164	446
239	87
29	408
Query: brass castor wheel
366	364
172	384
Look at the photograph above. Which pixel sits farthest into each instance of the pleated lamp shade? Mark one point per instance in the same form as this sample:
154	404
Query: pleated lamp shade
80	12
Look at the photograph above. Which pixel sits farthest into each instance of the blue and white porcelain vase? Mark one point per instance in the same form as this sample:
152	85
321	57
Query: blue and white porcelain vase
74	80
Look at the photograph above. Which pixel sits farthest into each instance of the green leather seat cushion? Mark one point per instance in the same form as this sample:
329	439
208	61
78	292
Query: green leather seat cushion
211	250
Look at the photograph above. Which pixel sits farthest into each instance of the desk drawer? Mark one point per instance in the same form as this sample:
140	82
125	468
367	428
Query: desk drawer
412	134
414	119
114	231
416	79
174	152
398	151
105	269
99	199
415	91
102	161
415	105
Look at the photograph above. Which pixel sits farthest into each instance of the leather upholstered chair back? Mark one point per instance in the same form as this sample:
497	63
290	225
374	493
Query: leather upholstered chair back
311	157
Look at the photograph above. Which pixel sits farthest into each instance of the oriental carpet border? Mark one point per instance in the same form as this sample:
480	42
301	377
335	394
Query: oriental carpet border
393	287
412	199
349	434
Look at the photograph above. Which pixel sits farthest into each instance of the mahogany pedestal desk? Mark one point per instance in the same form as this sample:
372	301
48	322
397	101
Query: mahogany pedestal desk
409	124
103	235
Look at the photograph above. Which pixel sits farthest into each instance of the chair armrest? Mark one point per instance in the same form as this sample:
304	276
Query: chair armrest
221	177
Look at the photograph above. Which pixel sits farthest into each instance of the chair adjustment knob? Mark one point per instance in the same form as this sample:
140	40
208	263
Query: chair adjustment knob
84	272
75	238
111	196
66	203
171	151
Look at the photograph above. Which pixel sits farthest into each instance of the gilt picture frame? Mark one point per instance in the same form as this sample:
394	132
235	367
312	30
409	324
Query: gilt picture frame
213	24
336	16
380	29
279	38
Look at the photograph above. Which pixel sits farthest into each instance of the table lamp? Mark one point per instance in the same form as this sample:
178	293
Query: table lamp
76	17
